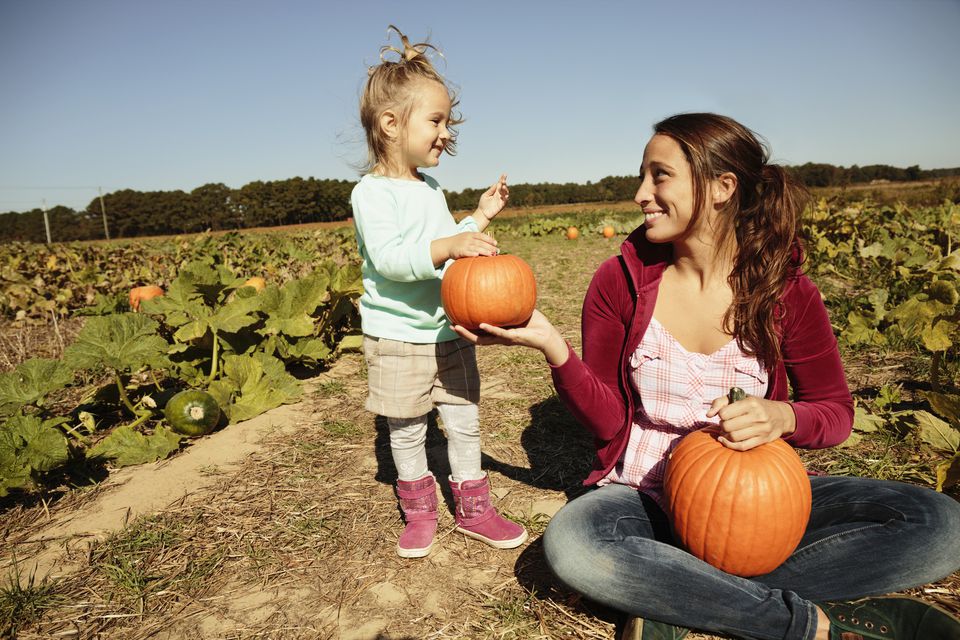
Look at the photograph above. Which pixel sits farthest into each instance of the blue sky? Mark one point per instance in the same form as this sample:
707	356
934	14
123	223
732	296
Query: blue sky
175	94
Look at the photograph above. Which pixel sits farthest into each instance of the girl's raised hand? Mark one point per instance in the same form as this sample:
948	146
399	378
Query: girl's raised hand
494	199
538	333
752	421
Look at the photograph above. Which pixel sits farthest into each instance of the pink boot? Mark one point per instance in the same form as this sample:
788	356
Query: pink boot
477	518
418	499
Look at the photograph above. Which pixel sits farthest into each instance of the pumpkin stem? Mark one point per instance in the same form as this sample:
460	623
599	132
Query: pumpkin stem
123	394
196	413
143	417
736	395
213	362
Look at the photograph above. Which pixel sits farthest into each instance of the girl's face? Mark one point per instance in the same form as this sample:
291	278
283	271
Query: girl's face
666	190
425	135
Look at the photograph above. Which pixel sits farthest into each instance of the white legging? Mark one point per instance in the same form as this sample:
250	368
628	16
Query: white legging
408	437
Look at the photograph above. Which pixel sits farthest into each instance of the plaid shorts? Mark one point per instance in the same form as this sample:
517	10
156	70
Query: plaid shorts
406	379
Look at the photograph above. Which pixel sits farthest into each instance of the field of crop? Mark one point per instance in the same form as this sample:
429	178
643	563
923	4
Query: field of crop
282	523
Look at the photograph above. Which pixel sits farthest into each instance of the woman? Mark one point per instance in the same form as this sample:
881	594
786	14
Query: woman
706	295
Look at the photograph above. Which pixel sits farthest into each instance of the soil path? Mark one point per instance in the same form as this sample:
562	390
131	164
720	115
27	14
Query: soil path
55	550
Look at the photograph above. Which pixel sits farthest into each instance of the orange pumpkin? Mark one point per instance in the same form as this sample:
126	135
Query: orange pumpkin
608	232
742	511
572	233
498	290
139	294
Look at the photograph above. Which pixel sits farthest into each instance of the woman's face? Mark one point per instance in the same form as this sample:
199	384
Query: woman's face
666	190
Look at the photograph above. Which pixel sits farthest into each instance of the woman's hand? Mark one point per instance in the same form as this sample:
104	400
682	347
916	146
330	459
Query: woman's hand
492	202
537	333
752	421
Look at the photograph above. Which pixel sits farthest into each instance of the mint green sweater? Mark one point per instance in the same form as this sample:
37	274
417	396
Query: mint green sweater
396	220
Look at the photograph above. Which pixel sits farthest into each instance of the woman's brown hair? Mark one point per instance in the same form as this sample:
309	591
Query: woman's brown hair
764	218
393	85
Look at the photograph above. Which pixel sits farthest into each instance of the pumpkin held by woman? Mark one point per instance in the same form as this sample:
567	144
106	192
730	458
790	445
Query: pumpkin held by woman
499	290
744	512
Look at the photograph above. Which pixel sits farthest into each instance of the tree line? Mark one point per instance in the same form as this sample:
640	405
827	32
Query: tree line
217	207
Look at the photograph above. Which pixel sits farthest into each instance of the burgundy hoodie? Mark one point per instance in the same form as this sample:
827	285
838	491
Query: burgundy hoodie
616	311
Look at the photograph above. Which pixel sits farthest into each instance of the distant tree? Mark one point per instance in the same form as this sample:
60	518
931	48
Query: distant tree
211	207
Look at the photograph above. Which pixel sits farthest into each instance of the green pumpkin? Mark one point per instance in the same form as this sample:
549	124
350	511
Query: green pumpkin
192	412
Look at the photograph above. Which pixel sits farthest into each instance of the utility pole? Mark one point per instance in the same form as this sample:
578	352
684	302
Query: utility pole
103	211
46	221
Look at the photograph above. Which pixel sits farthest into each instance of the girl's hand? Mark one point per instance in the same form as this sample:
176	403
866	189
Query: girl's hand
493	200
463	245
752	421
537	333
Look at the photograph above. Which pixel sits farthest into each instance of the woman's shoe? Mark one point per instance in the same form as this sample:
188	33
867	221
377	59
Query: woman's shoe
890	618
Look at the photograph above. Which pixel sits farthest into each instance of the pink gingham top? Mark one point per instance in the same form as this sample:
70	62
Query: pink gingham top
675	388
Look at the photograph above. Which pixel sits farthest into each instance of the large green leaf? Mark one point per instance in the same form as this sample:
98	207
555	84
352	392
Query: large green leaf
917	313
951	262
31	382
878	299
289	309
936	433
252	385
123	342
945	405
239	312
937	336
29	446
303	349
194	307
182	302
352	342
348	281
861	330
948	473
866	422
126	446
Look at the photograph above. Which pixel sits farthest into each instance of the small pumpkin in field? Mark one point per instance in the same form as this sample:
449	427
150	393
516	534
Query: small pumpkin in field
499	290
139	294
608	231
573	233
192	412
256	282
744	512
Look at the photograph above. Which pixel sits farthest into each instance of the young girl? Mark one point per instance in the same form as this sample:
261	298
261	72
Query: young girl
721	236
406	235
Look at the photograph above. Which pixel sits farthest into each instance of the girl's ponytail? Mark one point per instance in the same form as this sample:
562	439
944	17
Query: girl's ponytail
393	85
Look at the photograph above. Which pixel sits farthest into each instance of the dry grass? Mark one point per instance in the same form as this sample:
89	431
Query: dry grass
22	340
299	542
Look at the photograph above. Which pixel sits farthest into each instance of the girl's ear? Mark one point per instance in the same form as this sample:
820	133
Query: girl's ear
390	124
723	187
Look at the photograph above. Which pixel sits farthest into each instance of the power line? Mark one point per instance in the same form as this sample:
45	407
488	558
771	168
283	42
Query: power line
11	188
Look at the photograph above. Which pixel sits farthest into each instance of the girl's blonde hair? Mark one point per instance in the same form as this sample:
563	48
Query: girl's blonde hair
392	86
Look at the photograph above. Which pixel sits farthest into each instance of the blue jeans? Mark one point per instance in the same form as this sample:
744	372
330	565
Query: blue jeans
865	537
